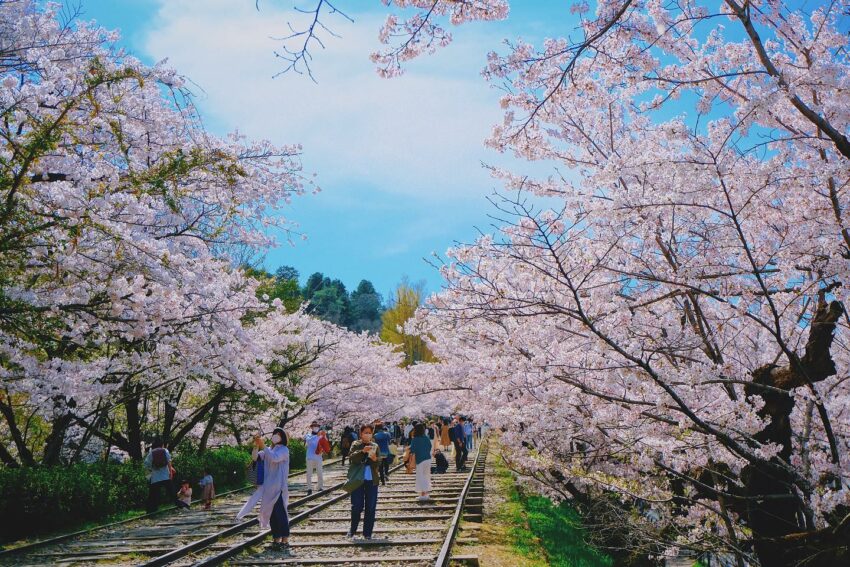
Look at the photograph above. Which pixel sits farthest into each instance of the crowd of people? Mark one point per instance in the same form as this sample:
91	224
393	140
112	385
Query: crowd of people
370	449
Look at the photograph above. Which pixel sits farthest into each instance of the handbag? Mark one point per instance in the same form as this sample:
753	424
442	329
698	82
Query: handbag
355	477
256	473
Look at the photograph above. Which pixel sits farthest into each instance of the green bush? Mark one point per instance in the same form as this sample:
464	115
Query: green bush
43	500
297	454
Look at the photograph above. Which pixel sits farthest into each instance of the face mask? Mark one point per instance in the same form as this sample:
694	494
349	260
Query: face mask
366	437
276	439
315	430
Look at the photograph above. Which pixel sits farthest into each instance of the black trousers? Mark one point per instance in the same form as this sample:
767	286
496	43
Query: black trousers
364	501
460	455
153	494
279	522
384	468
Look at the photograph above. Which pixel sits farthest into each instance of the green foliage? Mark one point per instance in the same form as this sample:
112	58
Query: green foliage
407	299
556	530
297	454
282	285
330	301
45	499
365	308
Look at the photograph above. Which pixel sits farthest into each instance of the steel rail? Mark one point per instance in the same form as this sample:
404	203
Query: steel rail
445	552
64	537
226	554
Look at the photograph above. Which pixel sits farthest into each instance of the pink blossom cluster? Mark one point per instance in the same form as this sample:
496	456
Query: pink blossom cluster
697	224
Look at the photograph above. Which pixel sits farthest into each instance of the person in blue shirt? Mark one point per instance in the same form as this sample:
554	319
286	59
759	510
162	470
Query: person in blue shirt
157	464
422	450
467	431
382	438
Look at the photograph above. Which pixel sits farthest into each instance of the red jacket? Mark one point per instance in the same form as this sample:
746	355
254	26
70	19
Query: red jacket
323	447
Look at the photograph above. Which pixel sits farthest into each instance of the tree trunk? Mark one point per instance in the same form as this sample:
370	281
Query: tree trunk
211	423
24	453
56	439
134	431
774	511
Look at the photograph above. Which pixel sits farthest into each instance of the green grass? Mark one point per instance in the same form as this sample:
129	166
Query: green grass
542	528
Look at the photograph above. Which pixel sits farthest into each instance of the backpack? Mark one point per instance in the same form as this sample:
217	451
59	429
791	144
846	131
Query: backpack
159	458
451	434
346	442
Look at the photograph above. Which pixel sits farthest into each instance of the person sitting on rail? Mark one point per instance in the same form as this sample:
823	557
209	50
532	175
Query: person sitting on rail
184	495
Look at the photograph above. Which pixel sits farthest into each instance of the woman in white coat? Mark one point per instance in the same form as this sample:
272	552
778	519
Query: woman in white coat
274	498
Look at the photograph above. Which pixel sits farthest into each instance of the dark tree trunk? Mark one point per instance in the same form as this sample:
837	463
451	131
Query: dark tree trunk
24	453
777	516
209	428
134	426
56	439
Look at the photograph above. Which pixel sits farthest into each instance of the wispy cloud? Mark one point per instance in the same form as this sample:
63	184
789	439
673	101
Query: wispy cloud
420	135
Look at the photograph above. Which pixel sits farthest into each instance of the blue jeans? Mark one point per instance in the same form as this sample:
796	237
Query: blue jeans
366	493
279	521
469	444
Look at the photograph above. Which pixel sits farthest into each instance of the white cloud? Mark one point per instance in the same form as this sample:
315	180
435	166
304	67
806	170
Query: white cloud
418	135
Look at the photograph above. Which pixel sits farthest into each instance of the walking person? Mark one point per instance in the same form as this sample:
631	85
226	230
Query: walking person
314	459
408	428
382	438
460	453
274	492
363	480
434	433
345	442
445	441
158	465
422	450
467	431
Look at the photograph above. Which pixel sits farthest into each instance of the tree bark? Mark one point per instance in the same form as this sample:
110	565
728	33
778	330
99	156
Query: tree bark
781	513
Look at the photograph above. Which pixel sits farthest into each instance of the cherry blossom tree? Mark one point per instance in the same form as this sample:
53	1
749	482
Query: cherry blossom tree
669	325
116	210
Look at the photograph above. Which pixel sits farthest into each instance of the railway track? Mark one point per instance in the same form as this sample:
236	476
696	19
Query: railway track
407	532
132	541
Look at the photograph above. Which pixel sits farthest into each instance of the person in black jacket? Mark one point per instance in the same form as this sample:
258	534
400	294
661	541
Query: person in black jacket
442	465
460	447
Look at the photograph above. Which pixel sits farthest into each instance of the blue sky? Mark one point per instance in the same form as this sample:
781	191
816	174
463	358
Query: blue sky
398	161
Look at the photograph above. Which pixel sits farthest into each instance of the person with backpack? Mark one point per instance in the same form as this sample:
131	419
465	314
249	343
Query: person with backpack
345	442
158	465
274	493
382	438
